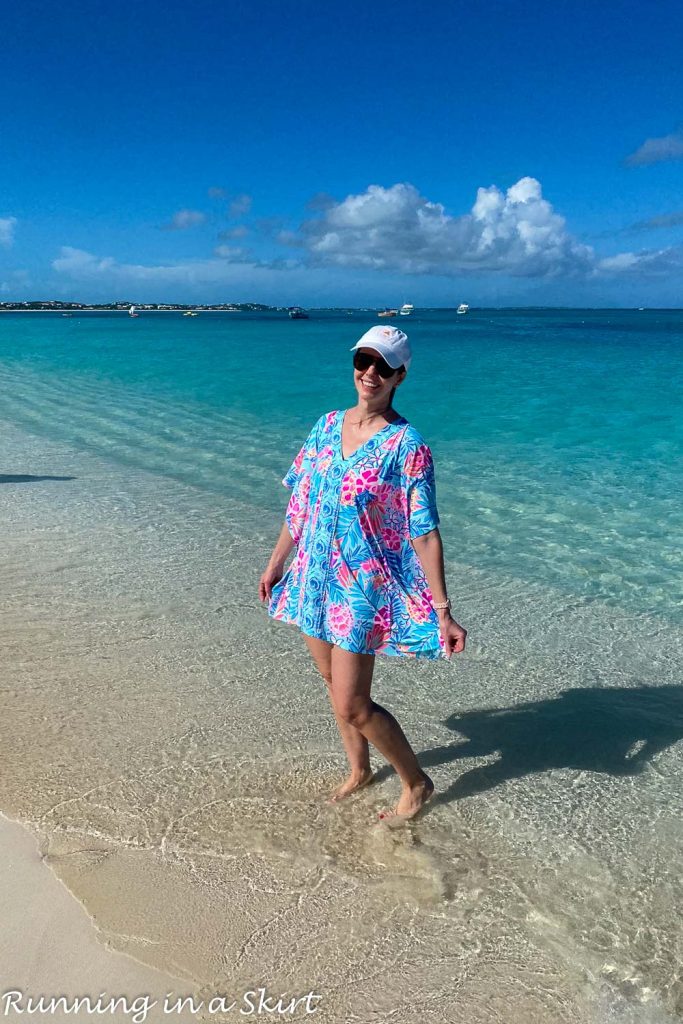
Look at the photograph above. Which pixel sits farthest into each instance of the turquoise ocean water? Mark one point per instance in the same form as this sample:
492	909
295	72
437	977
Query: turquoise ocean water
173	746
557	433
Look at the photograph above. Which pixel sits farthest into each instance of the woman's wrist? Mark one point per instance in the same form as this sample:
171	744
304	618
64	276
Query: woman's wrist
282	550
442	608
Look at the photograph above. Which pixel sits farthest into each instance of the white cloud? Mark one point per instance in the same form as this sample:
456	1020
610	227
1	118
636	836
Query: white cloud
77	261
654	151
240	205
660	221
7	226
645	263
17	281
231	253
396	231
88	276
184	219
80	265
396	228
217	193
240	231
664	220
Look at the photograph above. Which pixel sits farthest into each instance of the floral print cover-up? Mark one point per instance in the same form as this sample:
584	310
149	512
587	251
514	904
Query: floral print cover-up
355	580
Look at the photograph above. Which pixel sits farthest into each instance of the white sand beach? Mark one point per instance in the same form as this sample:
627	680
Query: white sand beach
50	947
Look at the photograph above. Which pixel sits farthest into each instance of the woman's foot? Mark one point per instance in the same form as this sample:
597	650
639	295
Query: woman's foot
355	781
411	802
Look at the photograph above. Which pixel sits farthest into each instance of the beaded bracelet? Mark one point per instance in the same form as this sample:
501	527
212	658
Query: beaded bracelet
442	604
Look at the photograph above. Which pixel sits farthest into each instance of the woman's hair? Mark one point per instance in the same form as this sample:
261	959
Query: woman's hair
401	369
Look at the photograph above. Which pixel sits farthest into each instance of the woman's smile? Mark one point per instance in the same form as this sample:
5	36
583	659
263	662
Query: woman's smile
369	382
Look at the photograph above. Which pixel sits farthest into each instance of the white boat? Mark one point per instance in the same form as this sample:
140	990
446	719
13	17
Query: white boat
131	312
387	312
406	309
190	312
463	308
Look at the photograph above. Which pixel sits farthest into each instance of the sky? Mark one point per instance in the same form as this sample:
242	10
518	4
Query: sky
352	154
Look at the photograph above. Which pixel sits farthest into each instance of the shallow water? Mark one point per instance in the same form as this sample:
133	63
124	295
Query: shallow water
173	746
556	433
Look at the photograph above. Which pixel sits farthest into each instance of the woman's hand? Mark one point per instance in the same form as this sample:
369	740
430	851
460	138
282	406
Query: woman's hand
269	578
453	635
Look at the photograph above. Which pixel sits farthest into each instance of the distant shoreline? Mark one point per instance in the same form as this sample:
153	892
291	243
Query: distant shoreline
4	308
175	309
143	309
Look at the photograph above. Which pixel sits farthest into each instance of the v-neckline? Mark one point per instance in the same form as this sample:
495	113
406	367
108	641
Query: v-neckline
346	459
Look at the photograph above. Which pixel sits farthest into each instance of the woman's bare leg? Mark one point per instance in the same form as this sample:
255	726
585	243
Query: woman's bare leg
351	676
355	744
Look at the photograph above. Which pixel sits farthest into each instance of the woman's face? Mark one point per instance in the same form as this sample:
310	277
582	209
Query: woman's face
371	387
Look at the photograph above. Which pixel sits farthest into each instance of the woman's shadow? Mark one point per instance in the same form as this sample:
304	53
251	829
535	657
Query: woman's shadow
614	731
25	478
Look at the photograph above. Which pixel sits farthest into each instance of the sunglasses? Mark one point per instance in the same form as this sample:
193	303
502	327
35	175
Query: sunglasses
363	361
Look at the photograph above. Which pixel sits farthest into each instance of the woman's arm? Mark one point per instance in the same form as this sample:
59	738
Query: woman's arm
429	549
276	564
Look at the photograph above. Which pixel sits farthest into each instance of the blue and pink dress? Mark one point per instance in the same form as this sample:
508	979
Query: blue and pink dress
355	579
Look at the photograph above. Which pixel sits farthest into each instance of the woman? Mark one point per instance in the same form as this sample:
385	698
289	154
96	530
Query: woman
368	574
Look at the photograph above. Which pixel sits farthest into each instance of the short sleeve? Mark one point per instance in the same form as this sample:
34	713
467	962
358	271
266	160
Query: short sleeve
419	485
304	460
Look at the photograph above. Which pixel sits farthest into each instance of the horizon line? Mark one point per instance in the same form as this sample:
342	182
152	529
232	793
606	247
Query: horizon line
118	306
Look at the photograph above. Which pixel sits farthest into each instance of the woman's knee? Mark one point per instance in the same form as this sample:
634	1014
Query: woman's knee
356	711
351	683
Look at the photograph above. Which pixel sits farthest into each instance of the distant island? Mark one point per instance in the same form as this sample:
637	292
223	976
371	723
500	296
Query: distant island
56	306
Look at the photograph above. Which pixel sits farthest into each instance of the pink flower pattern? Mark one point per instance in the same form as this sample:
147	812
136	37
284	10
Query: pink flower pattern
417	461
419	608
379	634
340	619
348	489
391	539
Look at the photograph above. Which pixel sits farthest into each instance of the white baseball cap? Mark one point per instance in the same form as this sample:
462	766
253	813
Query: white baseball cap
389	342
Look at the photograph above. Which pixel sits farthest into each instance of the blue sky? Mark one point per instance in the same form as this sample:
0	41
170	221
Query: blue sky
494	153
